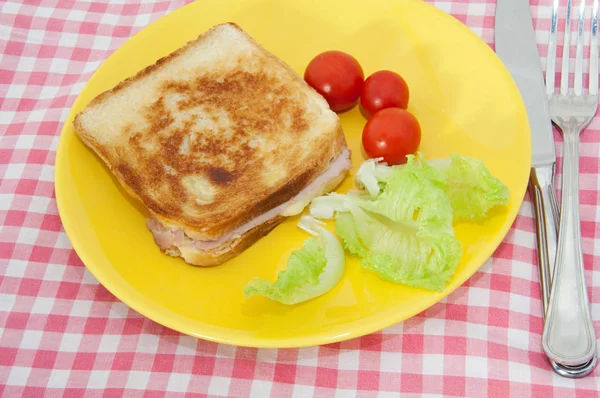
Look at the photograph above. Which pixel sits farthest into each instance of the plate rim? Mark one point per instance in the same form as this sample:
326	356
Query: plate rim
171	321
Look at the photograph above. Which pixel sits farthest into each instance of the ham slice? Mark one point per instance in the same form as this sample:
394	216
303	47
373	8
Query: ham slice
168	238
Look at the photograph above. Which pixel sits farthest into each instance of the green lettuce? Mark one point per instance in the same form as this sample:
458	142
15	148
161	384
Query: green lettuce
473	191
311	271
404	233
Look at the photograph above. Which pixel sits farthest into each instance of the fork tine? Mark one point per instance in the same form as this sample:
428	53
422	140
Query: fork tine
578	85
594	51
564	80
551	57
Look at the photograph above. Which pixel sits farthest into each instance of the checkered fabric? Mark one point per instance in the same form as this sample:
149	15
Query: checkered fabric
63	334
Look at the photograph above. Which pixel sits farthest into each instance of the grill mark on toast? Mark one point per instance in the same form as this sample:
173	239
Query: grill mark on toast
299	122
219	175
158	116
135	139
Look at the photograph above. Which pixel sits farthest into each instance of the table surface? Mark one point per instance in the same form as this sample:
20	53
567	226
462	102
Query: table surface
61	333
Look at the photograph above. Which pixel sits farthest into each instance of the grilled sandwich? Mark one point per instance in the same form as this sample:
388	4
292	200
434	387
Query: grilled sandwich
220	140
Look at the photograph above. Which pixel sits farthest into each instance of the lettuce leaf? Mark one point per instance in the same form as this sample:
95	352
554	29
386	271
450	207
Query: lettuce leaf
473	191
411	193
404	233
311	271
346	229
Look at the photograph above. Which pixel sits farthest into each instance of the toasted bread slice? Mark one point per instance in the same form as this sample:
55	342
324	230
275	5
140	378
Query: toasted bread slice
214	134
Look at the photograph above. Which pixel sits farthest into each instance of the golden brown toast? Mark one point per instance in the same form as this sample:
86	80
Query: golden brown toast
214	134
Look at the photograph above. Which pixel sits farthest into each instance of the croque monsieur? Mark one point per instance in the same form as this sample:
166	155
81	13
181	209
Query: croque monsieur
220	140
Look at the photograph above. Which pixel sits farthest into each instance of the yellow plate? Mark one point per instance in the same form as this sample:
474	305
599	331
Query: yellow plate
462	95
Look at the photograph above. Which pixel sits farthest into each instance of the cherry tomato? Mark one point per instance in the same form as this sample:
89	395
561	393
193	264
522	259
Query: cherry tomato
391	133
337	76
384	89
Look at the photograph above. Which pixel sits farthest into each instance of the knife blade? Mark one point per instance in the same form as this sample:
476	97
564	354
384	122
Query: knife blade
516	46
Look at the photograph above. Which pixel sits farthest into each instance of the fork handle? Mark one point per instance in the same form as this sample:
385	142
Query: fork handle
568	336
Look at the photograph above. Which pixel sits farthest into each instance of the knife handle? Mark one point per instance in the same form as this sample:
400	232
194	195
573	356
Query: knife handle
547	218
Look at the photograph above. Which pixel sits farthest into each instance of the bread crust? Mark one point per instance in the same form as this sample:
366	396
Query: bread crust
230	248
218	220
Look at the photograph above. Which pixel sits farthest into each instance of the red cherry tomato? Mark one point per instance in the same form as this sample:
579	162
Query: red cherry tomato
384	89
391	133
337	76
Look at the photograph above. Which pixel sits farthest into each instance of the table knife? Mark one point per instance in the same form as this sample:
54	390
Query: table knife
516	46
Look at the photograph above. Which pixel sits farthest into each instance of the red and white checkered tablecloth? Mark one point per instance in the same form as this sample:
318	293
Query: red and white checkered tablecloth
63	334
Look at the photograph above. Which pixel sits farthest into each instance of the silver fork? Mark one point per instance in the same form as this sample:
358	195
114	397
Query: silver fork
568	337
